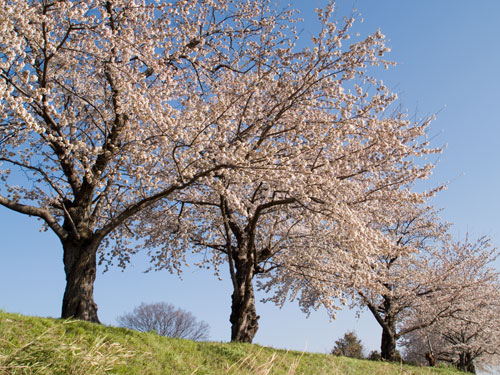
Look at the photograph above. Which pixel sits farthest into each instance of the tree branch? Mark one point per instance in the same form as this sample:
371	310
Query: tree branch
35	211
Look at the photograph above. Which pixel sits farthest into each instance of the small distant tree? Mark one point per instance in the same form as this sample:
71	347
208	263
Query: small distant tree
166	320
348	346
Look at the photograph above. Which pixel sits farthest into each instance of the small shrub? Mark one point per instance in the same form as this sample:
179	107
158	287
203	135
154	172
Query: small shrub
374	356
348	346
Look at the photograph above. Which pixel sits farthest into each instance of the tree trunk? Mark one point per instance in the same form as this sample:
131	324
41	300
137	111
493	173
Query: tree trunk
80	268
429	355
431	360
244	319
388	345
466	363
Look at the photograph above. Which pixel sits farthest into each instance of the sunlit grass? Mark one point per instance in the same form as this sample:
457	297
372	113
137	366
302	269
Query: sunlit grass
43	346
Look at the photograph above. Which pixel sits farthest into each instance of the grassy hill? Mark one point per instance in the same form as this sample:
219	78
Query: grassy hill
30	345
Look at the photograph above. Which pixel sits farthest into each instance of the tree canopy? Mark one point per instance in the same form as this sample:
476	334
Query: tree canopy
204	126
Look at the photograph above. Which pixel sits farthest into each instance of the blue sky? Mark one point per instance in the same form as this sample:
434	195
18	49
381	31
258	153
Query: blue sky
448	59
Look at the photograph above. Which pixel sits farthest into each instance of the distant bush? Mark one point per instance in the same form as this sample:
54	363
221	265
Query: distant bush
348	346
374	356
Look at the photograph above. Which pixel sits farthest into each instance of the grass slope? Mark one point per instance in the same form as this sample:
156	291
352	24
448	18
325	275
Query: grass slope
30	345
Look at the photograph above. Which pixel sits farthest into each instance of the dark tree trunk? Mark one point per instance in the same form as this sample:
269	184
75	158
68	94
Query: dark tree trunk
244	319
80	268
466	363
388	345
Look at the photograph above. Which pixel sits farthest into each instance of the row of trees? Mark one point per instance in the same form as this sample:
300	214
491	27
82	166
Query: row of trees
460	338
202	126
438	297
469	334
430	282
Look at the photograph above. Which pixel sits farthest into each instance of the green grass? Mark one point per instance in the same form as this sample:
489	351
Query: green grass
42	346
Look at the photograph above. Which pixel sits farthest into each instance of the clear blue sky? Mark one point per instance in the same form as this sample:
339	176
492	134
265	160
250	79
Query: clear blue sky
449	63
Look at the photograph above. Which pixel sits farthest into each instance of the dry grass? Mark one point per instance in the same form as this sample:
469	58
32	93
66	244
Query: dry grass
263	364
50	353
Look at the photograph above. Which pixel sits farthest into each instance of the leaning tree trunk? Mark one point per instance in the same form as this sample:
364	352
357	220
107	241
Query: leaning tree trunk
244	319
80	268
388	345
431	360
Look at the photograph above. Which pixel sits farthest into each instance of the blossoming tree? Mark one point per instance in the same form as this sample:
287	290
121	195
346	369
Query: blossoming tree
470	335
423	278
333	161
108	107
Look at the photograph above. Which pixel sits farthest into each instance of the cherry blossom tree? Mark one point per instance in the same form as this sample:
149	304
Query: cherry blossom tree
424	274
335	158
108	107
468	335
